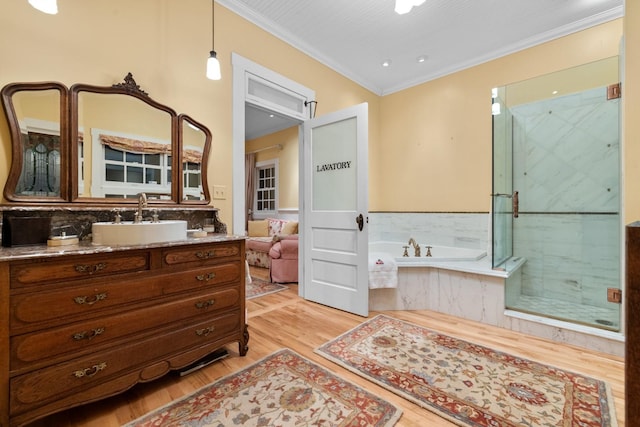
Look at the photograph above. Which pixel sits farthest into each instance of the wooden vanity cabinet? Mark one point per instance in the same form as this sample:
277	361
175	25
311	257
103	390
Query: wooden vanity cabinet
81	327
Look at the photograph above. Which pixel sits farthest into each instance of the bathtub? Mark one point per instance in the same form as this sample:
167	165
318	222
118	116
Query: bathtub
438	253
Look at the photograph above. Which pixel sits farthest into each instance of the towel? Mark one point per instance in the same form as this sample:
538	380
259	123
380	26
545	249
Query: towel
383	271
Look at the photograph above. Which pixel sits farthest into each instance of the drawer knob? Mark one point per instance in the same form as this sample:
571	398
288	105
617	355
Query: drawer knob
207	277
89	372
205	304
90	300
205	331
88	335
90	268
205	255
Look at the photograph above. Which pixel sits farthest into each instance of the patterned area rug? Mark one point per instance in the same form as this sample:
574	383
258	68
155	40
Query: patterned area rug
468	384
283	389
258	288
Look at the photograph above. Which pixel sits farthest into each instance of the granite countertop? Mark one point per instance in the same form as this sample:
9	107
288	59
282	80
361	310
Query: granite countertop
87	248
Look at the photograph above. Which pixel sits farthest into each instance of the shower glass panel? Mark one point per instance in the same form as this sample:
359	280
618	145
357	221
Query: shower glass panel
501	198
564	151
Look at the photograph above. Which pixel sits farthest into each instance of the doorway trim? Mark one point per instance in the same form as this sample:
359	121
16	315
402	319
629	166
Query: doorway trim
241	68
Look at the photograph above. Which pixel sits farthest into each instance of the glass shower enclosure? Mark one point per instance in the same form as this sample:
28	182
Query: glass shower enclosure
556	198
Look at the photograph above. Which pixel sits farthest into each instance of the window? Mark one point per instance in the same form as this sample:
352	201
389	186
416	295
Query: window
41	158
41	165
266	197
126	165
192	179
130	167
128	173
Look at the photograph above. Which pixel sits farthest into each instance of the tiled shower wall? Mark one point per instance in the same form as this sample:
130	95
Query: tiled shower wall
567	172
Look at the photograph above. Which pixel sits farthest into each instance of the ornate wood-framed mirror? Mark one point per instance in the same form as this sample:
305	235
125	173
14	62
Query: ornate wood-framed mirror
196	146
37	115
123	144
110	143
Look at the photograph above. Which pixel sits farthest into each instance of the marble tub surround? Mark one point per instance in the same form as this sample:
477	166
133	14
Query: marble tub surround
460	230
77	221
472	290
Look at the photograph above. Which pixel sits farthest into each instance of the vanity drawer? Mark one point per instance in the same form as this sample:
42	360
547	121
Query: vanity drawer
55	270
40	387
215	275
56	307
29	351
202	253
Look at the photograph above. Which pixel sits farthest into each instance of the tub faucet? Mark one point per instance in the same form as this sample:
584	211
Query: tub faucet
142	203
416	246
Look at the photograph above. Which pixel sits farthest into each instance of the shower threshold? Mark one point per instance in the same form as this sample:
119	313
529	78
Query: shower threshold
586	315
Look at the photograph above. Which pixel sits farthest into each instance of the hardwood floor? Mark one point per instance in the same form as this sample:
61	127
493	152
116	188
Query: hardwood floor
284	320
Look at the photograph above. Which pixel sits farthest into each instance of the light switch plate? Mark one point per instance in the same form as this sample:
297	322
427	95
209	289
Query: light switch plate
219	192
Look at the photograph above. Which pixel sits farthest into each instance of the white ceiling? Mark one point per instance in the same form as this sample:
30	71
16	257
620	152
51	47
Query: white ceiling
354	37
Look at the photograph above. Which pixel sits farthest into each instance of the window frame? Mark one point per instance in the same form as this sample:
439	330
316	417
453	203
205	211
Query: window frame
267	164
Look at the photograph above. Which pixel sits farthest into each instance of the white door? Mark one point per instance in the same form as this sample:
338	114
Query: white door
335	203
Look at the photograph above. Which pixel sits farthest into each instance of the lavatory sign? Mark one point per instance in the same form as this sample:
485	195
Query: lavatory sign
333	184
333	166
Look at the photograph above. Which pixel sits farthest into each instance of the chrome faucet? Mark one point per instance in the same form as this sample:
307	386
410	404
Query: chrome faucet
142	203
416	246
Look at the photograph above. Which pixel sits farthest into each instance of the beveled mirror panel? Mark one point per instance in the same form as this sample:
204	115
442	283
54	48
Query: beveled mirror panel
102	144
37	117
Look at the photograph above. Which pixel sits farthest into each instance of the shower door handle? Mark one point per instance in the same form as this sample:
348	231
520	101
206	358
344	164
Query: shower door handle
515	204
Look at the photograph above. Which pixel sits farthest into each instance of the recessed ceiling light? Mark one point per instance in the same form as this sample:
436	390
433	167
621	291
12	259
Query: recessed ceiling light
421	59
555	92
386	63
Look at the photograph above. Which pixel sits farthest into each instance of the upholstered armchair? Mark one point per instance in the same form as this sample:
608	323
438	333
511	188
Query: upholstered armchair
284	259
265	236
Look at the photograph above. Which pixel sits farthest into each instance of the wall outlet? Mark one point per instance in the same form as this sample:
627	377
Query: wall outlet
219	192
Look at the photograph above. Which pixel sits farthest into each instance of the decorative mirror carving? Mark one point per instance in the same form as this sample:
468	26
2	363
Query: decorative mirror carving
103	144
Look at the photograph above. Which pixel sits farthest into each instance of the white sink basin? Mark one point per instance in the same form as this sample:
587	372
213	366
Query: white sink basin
130	233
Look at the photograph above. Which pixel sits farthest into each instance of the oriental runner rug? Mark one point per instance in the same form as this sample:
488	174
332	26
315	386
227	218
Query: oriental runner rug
468	384
283	389
258	288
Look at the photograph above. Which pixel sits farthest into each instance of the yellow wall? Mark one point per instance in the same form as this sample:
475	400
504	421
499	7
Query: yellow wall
165	44
288	177
430	146
600	73
435	142
631	112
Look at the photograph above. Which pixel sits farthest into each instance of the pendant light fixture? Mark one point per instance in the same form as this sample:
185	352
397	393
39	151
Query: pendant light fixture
46	6
213	65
